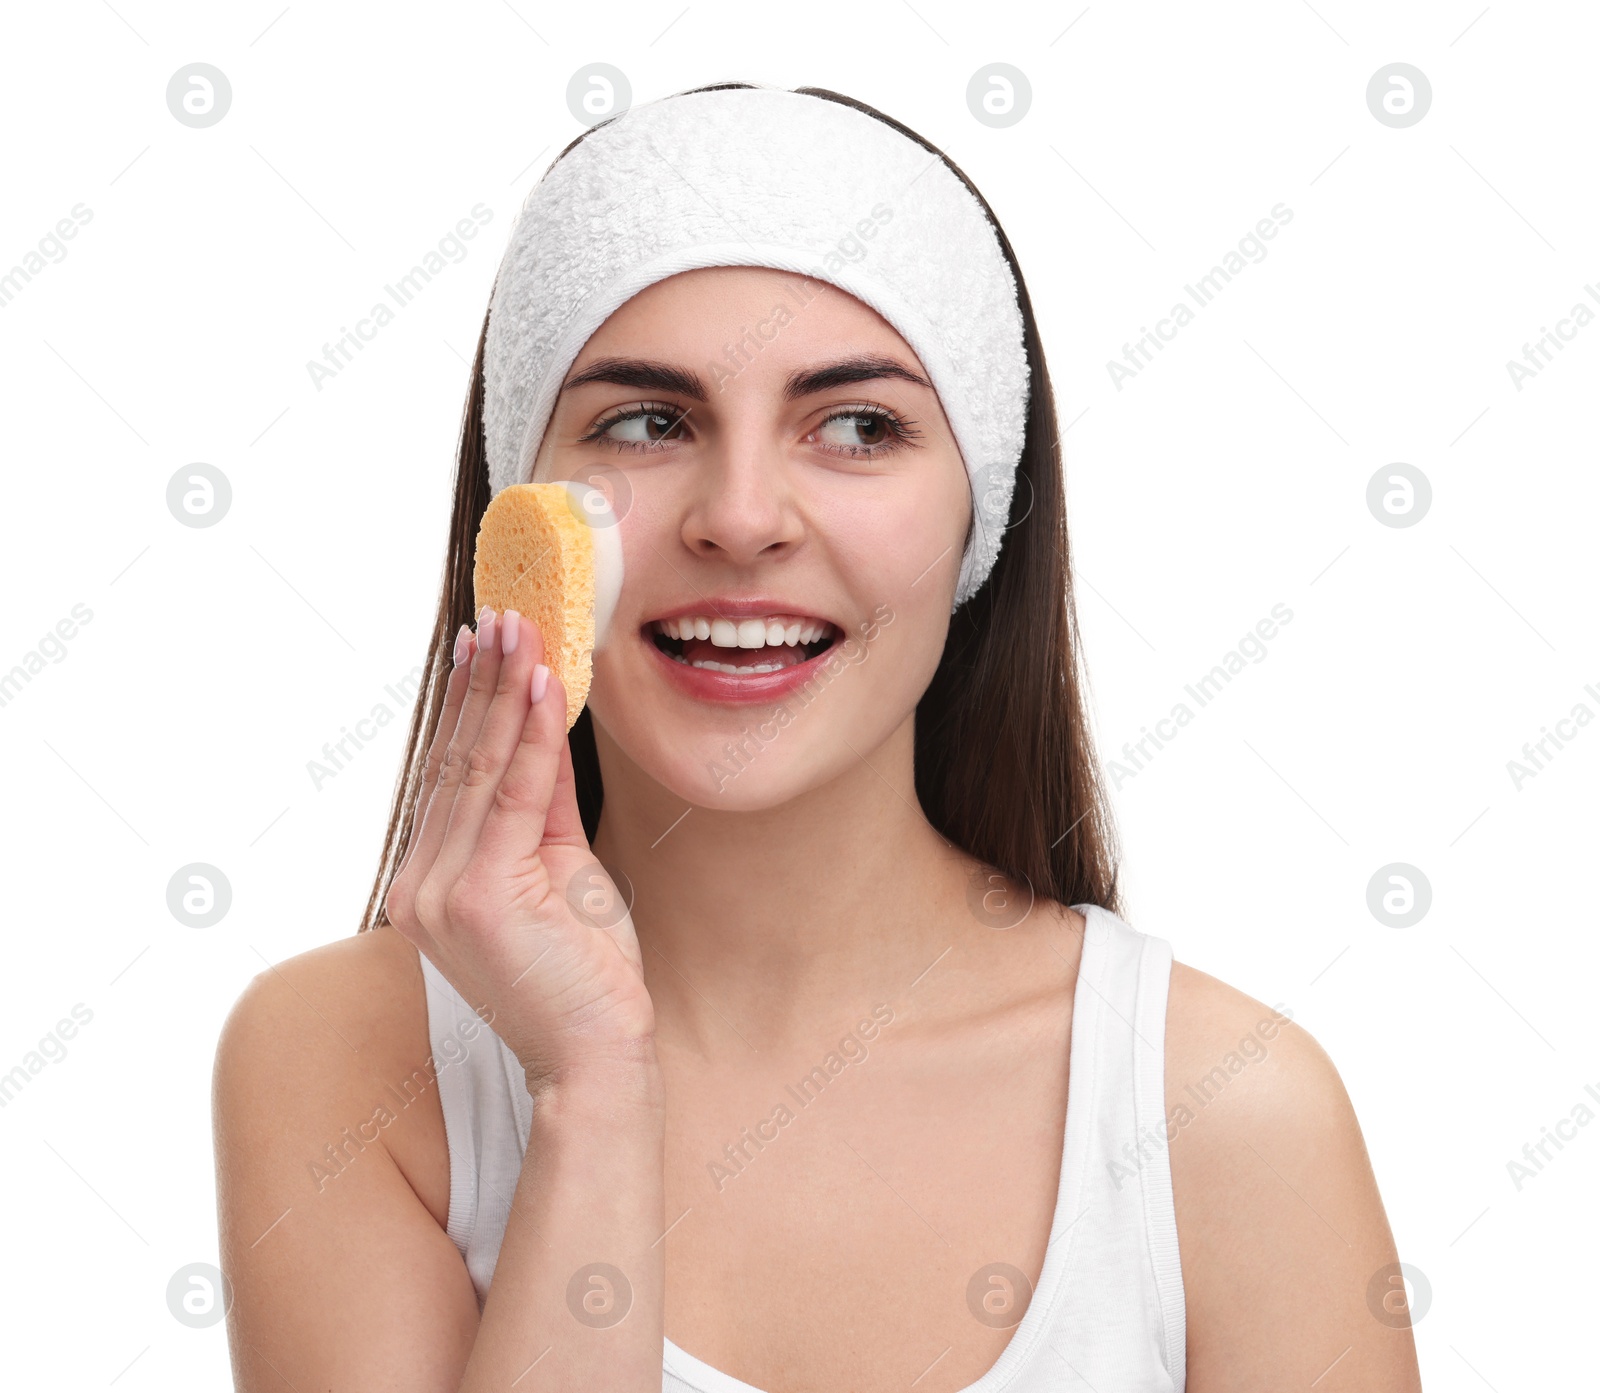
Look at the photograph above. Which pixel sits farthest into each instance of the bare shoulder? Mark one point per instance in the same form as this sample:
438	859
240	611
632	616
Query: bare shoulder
1217	1036
333	1177
343	1026
358	979
1281	1229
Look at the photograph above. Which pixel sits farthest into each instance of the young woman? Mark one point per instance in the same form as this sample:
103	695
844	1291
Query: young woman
776	1029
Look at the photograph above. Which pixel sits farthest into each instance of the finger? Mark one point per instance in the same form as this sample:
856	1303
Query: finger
527	810
563	823
454	696
492	749
482	669
480	691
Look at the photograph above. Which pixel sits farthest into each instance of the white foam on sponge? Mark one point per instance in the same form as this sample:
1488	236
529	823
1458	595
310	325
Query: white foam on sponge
591	504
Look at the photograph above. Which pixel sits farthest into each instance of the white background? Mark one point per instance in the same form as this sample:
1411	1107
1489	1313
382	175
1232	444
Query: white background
1229	476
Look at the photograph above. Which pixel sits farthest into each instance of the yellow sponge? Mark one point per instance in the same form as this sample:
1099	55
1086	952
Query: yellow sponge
536	554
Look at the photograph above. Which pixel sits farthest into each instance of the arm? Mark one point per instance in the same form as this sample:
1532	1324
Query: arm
1280	1225
588	1206
342	1274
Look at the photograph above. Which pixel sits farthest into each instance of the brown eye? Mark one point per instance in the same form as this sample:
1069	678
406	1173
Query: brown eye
643	427
647	427
862	430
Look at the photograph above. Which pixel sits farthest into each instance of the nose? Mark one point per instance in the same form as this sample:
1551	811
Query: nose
742	505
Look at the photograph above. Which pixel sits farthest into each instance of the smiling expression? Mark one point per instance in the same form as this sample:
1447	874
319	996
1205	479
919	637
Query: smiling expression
794	508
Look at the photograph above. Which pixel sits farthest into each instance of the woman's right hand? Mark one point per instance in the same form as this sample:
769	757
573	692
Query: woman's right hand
499	887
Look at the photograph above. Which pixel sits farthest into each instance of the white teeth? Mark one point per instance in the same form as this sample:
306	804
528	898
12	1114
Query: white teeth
743	633
734	668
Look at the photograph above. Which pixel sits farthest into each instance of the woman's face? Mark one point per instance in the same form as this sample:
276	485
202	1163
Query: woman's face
775	453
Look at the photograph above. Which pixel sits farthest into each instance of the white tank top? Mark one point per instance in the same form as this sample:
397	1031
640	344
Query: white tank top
1107	1310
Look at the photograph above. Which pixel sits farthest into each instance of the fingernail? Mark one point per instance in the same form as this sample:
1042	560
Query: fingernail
541	680
486	630
508	632
461	643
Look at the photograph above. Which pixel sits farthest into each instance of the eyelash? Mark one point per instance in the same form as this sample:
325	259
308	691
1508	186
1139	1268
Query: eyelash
902	429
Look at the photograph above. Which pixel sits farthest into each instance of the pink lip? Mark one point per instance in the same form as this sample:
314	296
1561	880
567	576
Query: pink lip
736	607
767	687
702	684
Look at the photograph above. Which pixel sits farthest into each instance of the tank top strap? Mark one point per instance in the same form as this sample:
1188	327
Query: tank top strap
488	1115
1124	1234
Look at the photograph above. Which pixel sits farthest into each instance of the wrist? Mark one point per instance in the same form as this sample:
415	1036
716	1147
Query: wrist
628	1077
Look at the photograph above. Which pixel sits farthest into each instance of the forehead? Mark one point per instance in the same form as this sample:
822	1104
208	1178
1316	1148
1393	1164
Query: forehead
780	318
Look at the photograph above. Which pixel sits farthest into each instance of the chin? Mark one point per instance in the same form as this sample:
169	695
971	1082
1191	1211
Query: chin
754	778
746	761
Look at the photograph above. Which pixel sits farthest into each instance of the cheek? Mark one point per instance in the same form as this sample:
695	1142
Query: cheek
643	542
890	554
885	539
648	533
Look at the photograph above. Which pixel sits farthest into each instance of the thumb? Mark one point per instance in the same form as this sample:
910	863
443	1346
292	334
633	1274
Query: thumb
563	824
536	803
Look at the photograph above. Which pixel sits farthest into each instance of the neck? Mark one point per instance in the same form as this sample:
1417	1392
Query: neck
771	926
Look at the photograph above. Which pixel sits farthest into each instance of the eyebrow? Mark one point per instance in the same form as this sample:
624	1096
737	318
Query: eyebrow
648	375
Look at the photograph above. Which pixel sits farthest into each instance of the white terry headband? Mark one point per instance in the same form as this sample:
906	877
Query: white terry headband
763	176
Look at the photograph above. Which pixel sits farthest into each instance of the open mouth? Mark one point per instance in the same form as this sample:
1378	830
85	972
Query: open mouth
742	647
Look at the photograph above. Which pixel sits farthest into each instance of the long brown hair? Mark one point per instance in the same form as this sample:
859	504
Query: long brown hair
1004	764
